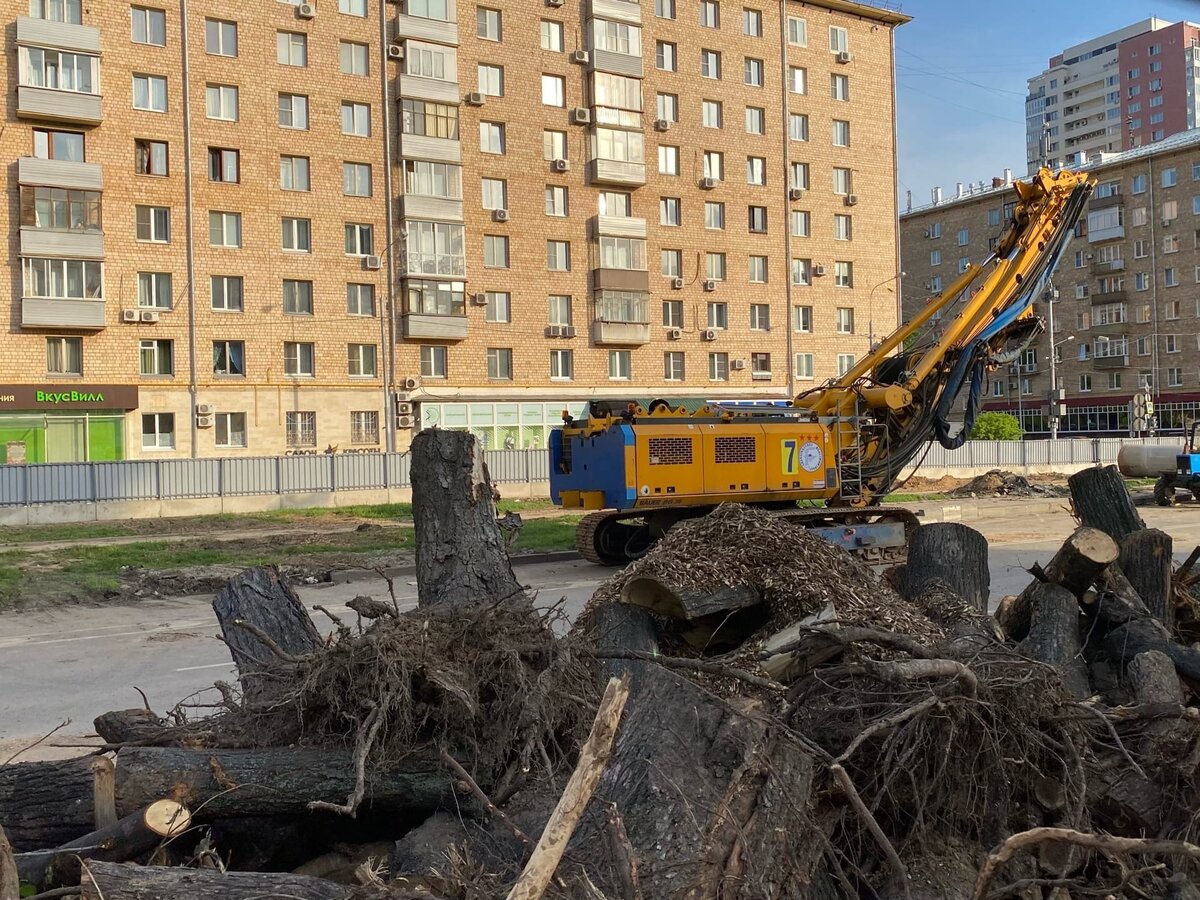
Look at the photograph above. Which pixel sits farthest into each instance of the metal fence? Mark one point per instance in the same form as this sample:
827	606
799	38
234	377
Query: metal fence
179	479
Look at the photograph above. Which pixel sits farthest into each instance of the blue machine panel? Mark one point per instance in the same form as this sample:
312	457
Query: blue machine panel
595	463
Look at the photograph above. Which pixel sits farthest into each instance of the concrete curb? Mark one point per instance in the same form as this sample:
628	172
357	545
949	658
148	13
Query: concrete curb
347	576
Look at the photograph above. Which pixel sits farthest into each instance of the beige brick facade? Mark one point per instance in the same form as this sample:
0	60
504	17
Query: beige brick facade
432	49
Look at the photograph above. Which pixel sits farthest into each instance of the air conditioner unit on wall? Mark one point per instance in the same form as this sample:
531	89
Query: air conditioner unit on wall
674	334
499	215
852	199
479	299
474	99
707	183
580	57
795	193
307	10
404	421
845	56
581	115
708	334
129	315
403	408
395	51
204	409
818	269
412	382
372	263
205	421
710	285
677	284
555	3
738	364
150	315
561	165
662	124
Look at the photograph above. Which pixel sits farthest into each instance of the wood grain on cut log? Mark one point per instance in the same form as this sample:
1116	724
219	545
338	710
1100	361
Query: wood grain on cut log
44	804
1147	563
263	600
1102	501
125	881
678	602
461	556
1054	636
1076	565
953	554
271	781
1154	681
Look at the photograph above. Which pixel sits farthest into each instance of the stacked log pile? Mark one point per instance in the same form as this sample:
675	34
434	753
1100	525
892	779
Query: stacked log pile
746	712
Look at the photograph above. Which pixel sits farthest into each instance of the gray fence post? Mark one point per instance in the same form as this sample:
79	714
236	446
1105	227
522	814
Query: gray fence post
158	491
220	476
332	474
279	474
93	483
28	485
383	461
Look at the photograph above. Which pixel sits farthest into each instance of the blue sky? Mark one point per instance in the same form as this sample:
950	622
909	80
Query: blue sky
961	67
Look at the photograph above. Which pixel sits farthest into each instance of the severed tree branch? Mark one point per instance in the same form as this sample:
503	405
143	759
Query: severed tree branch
899	872
494	811
269	642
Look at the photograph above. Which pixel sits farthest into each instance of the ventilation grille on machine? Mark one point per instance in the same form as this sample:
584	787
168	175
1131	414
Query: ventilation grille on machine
735	449
670	451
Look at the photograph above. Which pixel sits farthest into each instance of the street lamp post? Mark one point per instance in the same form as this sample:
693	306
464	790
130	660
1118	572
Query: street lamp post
1052	394
871	309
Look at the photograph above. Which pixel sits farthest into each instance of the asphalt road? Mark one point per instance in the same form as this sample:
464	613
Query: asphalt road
75	662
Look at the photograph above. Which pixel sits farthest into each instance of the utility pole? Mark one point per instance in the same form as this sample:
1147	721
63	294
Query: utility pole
1052	394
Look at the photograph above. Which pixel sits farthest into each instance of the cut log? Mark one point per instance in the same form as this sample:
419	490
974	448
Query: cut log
953	554
1054	636
461	557
619	626
1147	563
677	602
812	649
1154	681
44	804
10	881
270	781
1102	501
123	726
125	881
262	600
129	837
1075	566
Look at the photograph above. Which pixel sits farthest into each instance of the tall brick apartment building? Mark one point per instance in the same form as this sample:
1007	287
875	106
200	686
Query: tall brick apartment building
1127	317
257	228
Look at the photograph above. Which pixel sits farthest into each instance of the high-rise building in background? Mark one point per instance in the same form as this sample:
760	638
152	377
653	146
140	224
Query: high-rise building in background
1119	91
272	227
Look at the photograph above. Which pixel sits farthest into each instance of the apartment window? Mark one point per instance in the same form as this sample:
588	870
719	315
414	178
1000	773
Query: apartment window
964	237
671	263
664	9
752	70
800	223
226	293
231	429
64	356
291	48
150	157
1174	377
66	11
297	235
710	13
668	211
1114	381
150	93
673	366
221	102
710	64
964	263
1085	383
622	253
797	30
356	119
802	319
843	227
667	107
356	179
499	363
552	36
220	37
153	223
668	160
491	137
360	360
438	120
718	367
935	257
1170	177
158	431
760	313
839	87
436	298
798	175
154	290
714	266
714	165
756	170
359	239
157	357
51	144
495	193
229	359
499	304
558	256
845	362
757	216
554	90
664	56
845	320
839	40
993	218
714	215
491	80
353	58
614	203
843	274
149	26
554	145
353	8
487	23
1138	183
760	365
62	279
618	365
1141	281
841	133
1170	276
298	296
756	120
718	315
1171	309
562	365
293	173
225	229
804	365
293	111
558	309
801	271
672	313
298	360
495	251
710	113
300	429
797	80
1170	212
757	270
1171	343
223	165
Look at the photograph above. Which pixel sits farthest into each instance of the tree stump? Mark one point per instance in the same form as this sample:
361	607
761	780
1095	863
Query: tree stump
1147	563
461	557
264	601
1102	501
44	804
619	626
1054	636
125	881
953	554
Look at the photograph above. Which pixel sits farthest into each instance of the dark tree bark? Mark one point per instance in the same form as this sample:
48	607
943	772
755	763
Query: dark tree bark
1102	501
953	554
1054	636
117	881
129	837
690	604
264	601
270	781
44	804
123	726
1147	563
461	557
1075	566
619	626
